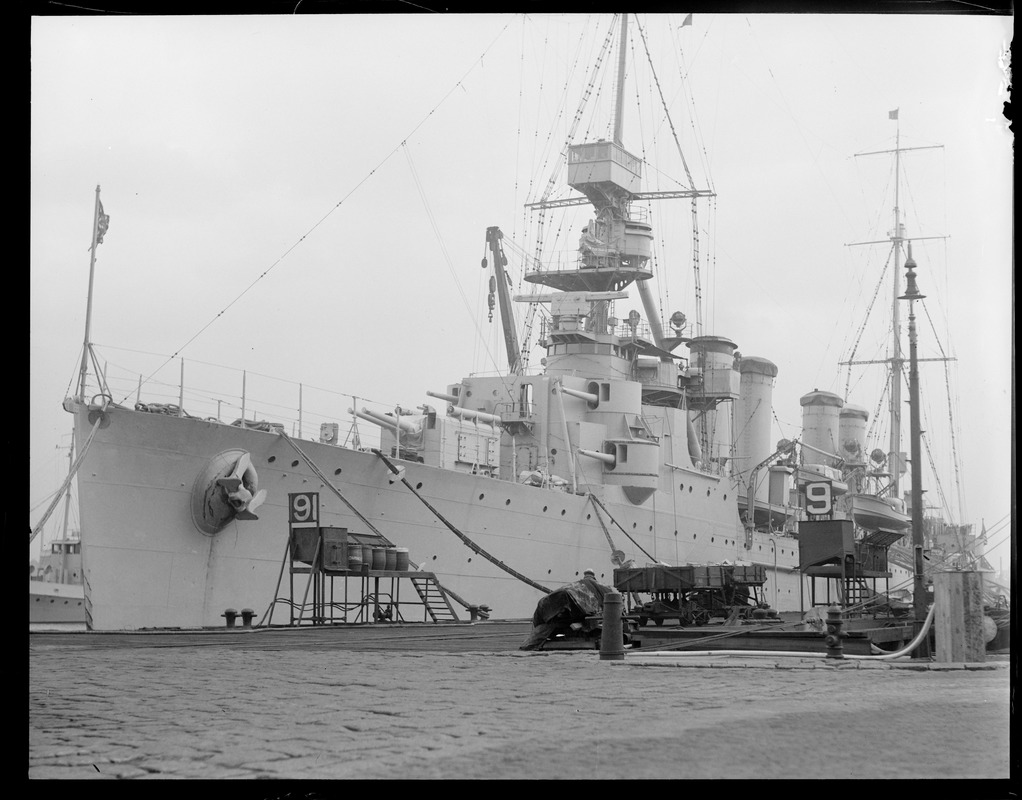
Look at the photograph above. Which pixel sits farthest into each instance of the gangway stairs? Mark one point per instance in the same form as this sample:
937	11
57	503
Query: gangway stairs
434	599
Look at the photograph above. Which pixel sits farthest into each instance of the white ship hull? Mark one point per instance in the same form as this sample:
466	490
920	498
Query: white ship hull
55	602
148	565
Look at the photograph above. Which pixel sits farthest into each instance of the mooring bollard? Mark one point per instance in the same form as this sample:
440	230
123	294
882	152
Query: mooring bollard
247	614
612	647
835	633
230	615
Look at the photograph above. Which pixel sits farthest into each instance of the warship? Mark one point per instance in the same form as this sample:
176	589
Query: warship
640	440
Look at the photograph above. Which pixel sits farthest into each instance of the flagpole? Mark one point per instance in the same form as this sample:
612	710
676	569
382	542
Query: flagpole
87	347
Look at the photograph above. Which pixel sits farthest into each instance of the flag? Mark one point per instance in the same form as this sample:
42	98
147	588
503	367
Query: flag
686	21
102	223
892	114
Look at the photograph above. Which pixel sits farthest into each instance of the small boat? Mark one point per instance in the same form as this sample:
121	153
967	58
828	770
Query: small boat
56	593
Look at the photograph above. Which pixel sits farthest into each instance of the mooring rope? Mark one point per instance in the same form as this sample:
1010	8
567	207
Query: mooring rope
334	489
596	501
319	473
468	542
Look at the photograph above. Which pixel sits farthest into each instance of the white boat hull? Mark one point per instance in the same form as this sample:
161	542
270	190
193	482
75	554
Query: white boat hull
55	602
148	565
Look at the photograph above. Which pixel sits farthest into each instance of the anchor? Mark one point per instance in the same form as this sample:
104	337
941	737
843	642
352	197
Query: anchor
241	488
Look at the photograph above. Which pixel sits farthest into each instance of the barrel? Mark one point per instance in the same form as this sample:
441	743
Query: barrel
391	558
367	556
355	558
401	558
379	558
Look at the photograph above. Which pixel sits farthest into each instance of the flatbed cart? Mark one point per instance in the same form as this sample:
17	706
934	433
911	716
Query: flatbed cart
693	594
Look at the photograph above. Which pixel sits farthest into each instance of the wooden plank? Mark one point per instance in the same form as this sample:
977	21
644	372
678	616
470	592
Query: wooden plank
958	616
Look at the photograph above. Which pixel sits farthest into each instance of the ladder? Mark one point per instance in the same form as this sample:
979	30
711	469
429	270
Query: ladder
433	597
858	594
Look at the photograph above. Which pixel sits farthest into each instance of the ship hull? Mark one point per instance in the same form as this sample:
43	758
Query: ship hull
148	565
55	602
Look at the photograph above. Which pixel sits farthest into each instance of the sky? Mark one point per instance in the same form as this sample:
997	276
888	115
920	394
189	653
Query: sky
298	206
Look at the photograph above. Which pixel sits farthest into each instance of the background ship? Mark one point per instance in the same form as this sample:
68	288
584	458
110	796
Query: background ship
152	488
56	594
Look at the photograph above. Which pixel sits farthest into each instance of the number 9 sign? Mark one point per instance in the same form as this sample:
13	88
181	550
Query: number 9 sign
818	500
303	507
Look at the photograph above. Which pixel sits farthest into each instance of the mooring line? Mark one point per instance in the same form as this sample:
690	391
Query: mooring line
472	545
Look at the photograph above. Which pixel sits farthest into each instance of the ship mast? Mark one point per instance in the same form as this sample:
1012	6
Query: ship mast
100	222
896	360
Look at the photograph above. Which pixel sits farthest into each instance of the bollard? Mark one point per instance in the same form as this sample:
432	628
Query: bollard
835	633
230	615
246	617
612	646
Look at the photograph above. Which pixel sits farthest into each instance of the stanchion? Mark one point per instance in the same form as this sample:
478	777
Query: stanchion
612	647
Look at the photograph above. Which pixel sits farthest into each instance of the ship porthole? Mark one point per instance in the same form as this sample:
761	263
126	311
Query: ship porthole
690	489
707	491
589	516
418	485
681	486
713	539
725	497
634	525
564	511
675	533
693	537
482	496
651	528
544	509
337	471
507	502
271	459
294	463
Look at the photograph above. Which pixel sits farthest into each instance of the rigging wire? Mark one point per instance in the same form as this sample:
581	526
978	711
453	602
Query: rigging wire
335	207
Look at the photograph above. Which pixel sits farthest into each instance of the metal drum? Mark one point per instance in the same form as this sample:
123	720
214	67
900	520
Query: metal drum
401	558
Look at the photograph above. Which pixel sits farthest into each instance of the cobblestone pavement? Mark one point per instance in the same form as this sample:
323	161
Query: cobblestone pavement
223	713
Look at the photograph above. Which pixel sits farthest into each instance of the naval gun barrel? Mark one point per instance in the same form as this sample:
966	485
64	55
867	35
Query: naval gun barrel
450	398
606	458
385	421
589	397
475	416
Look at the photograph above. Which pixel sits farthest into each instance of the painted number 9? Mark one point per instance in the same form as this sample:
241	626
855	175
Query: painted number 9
304	507
818	498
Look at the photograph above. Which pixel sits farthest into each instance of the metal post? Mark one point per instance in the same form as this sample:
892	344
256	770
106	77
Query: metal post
181	392
612	647
919	604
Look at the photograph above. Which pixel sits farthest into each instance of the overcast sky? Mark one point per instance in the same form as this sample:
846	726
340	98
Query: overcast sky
306	198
